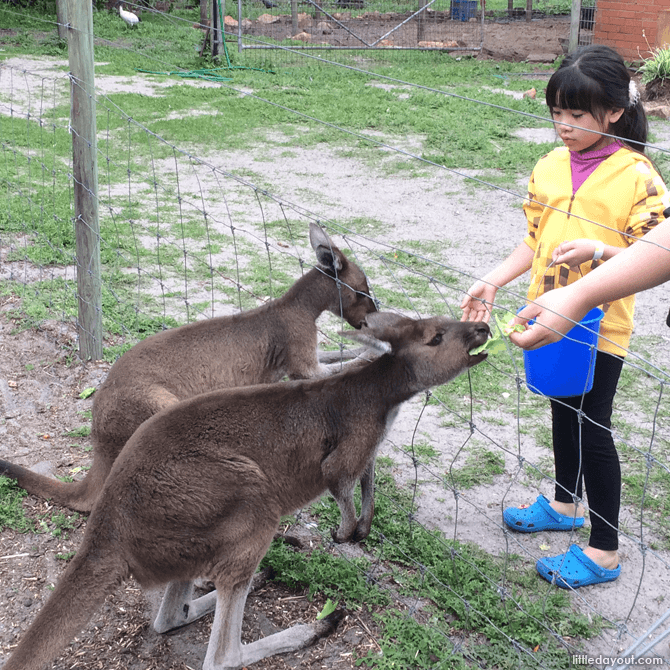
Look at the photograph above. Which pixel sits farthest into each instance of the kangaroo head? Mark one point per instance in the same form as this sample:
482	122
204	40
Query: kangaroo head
436	349
351	297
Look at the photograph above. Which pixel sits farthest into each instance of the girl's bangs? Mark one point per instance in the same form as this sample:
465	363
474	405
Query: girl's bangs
571	89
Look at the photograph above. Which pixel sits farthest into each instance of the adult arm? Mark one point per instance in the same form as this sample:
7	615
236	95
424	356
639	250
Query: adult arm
641	266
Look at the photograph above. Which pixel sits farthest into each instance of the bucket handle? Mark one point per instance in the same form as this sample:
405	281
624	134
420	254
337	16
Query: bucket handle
545	274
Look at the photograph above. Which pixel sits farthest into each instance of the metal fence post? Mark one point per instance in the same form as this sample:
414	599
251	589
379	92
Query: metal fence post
85	172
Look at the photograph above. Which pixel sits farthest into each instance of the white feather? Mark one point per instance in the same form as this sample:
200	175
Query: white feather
130	18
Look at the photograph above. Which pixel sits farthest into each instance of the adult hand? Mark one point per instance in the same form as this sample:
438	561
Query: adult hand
476	305
555	313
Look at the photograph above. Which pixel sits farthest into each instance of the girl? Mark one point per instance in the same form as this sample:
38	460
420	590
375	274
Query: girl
587	201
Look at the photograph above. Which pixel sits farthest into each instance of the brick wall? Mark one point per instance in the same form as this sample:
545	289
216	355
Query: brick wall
620	24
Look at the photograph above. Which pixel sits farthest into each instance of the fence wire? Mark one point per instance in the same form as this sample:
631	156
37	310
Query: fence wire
187	236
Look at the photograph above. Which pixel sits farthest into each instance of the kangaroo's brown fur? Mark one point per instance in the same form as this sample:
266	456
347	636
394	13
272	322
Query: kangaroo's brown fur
258	346
199	489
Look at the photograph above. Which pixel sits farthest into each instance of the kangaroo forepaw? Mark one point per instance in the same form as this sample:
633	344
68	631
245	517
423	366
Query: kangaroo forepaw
339	536
361	532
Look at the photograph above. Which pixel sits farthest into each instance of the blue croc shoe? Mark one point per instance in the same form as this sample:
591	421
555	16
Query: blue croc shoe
574	569
538	517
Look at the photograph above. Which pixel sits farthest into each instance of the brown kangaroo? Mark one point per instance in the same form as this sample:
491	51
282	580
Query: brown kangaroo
199	489
254	347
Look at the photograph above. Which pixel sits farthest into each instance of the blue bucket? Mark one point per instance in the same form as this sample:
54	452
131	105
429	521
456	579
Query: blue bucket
565	368
463	10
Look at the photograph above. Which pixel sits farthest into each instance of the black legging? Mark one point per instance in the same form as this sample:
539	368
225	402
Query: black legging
600	467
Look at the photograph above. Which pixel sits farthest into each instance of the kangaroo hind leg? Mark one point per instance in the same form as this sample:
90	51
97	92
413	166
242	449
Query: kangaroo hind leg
178	608
225	650
367	503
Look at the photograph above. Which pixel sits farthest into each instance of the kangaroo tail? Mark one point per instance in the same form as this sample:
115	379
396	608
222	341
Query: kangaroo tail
80	591
79	495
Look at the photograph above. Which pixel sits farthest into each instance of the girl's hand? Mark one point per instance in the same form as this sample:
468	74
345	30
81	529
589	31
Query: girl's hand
574	253
477	303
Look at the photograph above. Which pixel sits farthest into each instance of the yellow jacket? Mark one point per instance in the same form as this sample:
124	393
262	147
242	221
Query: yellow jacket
618	203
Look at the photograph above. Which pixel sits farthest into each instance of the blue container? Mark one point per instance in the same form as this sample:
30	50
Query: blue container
565	368
463	10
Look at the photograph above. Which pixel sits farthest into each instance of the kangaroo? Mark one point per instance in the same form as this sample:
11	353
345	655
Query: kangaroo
200	488
257	346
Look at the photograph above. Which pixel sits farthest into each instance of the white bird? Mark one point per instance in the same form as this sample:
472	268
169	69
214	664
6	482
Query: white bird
130	18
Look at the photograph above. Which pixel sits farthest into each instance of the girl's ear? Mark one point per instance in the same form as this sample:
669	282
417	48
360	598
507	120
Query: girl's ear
614	115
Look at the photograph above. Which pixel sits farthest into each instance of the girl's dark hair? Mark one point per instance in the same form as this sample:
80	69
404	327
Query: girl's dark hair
595	79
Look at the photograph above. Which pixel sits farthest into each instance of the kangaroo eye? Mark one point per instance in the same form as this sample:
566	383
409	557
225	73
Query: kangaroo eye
436	340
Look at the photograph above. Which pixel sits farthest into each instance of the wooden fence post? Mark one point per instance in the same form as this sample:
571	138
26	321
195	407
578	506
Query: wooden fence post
61	19
421	22
216	34
575	17
295	28
85	172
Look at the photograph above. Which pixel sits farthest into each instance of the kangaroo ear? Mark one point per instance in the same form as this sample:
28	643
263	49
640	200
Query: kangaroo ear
327	254
380	329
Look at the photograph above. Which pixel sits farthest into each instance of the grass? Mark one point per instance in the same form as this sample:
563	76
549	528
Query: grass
656	65
14	517
480	467
164	251
456	585
456	582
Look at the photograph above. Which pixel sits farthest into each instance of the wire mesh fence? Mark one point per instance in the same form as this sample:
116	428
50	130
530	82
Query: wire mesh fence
457	26
188	235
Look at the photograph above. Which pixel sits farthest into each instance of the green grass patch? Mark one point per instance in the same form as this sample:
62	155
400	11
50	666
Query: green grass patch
13	515
11	507
458	584
480	467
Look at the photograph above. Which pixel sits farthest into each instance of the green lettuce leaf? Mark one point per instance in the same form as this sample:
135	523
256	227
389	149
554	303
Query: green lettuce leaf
496	343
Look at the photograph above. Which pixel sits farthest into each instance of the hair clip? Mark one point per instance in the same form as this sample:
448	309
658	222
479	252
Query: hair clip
633	94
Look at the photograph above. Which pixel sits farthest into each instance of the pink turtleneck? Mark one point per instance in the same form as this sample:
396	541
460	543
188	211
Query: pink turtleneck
582	165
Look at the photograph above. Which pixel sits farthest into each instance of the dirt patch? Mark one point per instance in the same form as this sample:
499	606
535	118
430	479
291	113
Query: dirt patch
511	39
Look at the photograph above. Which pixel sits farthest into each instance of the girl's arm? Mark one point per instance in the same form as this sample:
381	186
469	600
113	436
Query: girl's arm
476	305
576	252
641	266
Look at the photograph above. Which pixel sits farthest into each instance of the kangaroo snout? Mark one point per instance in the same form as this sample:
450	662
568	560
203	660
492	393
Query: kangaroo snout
479	333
